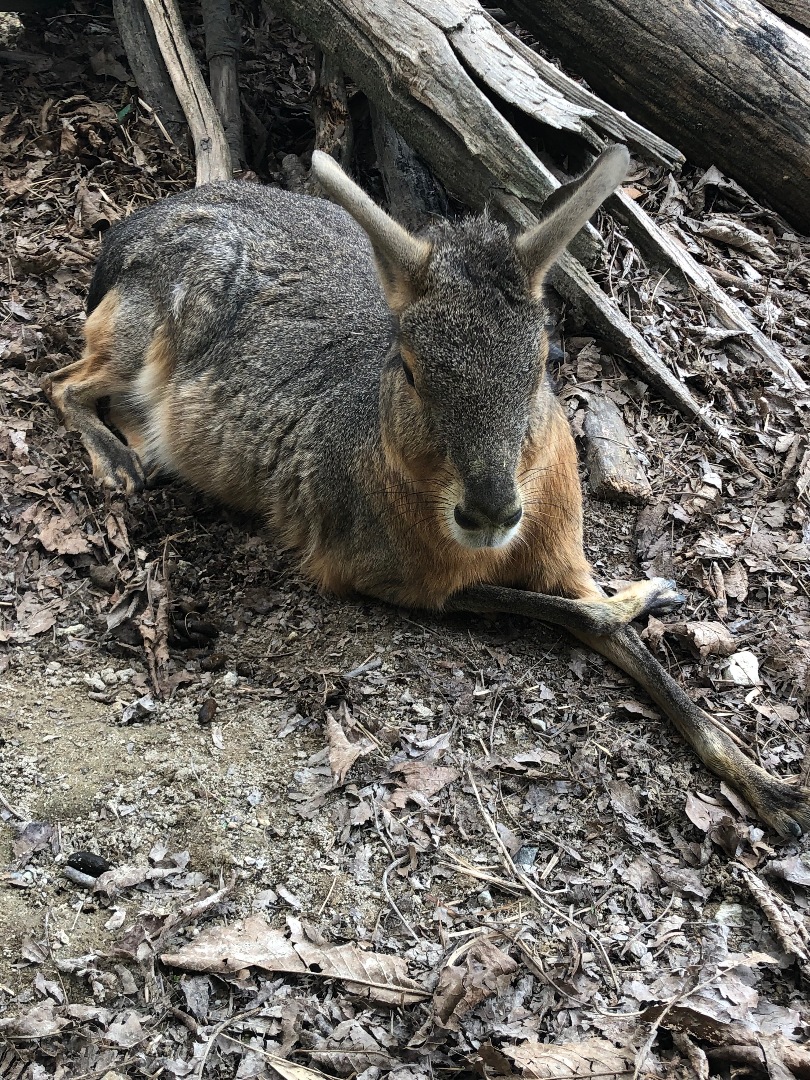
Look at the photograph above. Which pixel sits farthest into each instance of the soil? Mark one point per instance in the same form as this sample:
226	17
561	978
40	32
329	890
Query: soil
485	745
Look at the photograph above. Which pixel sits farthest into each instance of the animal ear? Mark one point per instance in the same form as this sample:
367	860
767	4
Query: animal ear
401	258
567	210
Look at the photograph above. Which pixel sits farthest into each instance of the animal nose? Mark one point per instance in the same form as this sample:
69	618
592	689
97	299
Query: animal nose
473	518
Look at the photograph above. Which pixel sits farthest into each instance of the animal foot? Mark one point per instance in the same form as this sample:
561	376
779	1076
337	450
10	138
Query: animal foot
785	807
116	467
662	597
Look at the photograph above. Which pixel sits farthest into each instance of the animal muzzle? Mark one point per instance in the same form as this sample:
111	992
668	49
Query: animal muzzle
488	514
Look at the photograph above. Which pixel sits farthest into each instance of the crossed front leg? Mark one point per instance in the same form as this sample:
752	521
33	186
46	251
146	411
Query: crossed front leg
591	614
602	623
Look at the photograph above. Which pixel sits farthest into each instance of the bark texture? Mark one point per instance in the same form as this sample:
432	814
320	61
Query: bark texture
222	53
726	80
797	11
211	148
148	67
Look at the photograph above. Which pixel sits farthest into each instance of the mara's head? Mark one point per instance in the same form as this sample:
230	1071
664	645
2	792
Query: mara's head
465	393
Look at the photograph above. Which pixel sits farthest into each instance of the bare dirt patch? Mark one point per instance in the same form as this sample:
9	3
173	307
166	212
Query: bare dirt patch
493	807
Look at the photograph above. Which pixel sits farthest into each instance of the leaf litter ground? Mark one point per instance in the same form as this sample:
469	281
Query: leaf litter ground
338	837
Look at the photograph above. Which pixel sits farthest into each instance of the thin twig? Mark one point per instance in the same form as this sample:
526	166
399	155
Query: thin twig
534	892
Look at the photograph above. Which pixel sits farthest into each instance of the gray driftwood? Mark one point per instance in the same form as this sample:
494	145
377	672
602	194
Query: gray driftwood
727	80
222	53
798	11
614	473
148	67
211	148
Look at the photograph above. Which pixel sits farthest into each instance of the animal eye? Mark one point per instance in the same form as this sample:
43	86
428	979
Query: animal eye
408	373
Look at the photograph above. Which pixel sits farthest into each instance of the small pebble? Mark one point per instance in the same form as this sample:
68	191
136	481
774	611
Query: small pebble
95	682
215	662
103	577
207	711
87	862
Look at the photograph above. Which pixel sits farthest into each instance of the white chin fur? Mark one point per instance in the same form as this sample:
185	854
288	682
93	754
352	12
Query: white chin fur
484	538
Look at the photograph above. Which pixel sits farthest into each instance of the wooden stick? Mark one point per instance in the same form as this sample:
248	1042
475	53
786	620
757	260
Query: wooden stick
613	471
222	53
146	64
211	149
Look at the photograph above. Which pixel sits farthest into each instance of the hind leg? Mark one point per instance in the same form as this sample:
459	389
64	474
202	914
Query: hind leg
76	389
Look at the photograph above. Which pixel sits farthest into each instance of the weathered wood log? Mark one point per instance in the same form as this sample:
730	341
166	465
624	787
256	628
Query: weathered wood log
222	54
605	119
796	11
726	80
613	471
211	148
147	66
408	60
413	194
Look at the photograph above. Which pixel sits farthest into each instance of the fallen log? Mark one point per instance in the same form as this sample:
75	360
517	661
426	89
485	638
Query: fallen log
147	66
726	80
211	150
795	11
613	471
417	62
222	53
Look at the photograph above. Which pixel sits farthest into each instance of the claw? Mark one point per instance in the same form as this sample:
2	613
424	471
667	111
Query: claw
663	596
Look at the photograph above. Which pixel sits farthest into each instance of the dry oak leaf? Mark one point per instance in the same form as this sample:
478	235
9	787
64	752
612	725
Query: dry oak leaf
288	1070
38	1022
252	943
484	970
795	869
60	530
420	782
342	753
591	1057
709	638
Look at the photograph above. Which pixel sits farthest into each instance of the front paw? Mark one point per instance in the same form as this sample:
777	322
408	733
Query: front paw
662	597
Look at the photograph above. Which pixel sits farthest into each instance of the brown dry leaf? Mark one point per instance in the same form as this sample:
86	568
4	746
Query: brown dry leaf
126	1032
252	943
350	1049
92	209
591	1057
33	836
288	1070
34	617
484	970
342	753
795	869
117	531
735	580
703	814
59	529
39	1022
709	638
103	62
421	782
